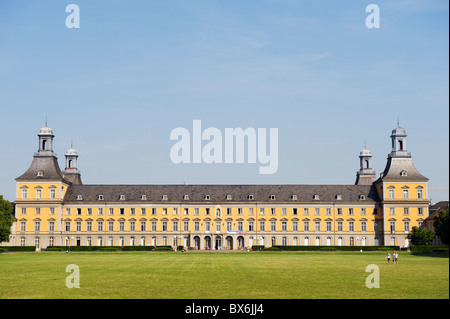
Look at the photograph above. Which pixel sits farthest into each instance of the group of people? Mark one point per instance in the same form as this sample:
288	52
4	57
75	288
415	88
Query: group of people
394	257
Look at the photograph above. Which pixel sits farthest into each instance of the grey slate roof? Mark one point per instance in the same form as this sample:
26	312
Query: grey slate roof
218	193
395	165
48	165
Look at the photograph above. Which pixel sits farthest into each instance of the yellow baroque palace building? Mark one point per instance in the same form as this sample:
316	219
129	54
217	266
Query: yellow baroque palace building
54	208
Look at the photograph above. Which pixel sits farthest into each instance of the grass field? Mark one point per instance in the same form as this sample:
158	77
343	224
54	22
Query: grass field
210	275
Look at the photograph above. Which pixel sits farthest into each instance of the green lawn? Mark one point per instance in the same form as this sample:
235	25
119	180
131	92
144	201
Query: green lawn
257	275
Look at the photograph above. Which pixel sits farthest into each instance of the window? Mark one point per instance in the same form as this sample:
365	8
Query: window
143	225
328	226
250	211
406	226
144	197
132	211
52	210
99	226
294	197
143	211
100	197
419	193
23	226
362	197
295	226
67	225
122	211
250	197
272	197
317	211
340	226
78	226
420	211
350	211
392	227
79	197
153	226
132	226
186	197
111	225
273	226
218	227
88	226
261	210
121	226
175	226
23	211
272	211
38	211
306	226
339	211
196	226
228	211
305	211
37	226
40	173
391	211
376	226
111	211
251	226
207	211
294	211
403	173
164	197
185	211
52	193
207	197
196	211
122	197
78	211
207	227
228	197
283	226
338	197
283	211
186	226
174	211
262	226
24	193
406	211
316	197
317	226
239	211
363	226
38	193
328	211
351	226
240	226
391	193
363	211
405	194
51	226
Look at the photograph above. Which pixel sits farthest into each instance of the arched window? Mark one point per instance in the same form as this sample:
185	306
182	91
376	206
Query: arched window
400	145
367	163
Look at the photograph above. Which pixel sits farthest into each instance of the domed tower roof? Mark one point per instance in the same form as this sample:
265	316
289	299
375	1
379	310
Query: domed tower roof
398	131
46	131
71	151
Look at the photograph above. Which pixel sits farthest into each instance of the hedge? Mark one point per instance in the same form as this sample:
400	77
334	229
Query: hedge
109	248
17	248
325	248
429	248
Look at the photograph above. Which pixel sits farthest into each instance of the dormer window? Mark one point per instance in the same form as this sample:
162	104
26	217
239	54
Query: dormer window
207	197
362	197
316	197
250	197
79	197
122	197
164	197
100	197
294	197
338	197
40	174
272	197
144	197
186	197
228	197
403	173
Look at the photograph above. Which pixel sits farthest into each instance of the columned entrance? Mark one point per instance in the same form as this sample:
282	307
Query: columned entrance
218	242
229	245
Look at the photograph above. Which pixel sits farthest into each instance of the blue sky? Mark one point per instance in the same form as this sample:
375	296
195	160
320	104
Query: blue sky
135	70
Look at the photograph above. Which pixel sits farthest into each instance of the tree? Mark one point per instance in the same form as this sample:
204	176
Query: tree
6	219
441	226
420	236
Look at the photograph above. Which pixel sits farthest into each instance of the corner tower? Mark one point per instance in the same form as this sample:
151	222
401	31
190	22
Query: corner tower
71	172
365	175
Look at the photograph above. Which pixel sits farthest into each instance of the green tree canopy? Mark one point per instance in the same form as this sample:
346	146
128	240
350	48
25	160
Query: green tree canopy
420	236
6	219
441	226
